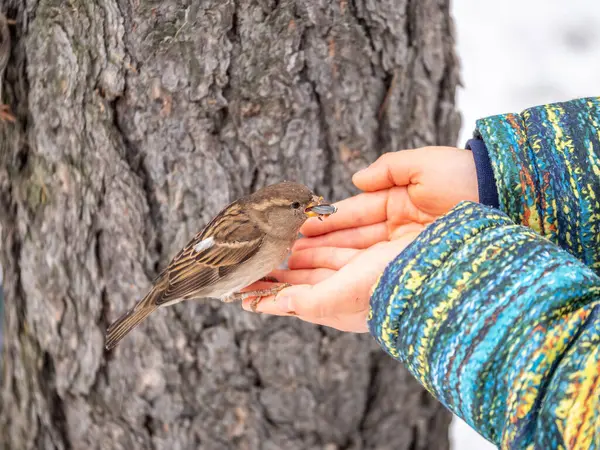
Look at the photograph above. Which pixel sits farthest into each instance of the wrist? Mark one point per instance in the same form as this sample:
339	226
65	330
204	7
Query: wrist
486	182
393	302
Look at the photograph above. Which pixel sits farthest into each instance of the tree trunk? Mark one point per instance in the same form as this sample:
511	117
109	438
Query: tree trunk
137	121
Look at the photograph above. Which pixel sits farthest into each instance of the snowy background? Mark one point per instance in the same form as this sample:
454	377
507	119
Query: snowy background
516	54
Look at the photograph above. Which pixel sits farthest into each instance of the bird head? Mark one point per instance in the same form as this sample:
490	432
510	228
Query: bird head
284	207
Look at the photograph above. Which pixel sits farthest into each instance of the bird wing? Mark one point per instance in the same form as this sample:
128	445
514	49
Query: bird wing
227	241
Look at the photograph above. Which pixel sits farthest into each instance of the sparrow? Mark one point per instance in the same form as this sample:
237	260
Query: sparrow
246	241
4	57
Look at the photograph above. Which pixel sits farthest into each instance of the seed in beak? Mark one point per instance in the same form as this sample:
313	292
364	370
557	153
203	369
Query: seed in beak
320	210
324	210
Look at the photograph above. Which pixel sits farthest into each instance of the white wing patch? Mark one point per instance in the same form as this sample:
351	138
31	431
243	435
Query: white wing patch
204	244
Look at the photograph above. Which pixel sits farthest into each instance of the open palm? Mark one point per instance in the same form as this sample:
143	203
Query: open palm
334	267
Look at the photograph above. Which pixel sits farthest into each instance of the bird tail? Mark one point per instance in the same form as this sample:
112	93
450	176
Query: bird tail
131	319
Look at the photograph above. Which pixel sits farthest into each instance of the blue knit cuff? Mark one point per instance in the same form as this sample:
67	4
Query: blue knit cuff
401	282
488	192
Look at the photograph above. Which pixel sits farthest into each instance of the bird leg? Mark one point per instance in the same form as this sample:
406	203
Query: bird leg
259	294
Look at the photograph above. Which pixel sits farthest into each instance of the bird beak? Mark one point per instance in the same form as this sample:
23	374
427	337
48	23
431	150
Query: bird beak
317	208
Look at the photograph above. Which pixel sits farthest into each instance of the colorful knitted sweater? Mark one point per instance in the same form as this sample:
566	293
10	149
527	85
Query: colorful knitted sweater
497	312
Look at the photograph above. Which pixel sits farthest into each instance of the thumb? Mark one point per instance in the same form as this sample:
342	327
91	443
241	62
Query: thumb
391	169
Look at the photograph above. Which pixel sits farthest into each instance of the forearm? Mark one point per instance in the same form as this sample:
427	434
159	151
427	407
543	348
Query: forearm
546	163
493	320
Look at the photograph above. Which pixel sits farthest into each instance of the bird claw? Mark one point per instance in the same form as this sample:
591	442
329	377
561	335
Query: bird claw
259	294
254	303
265	293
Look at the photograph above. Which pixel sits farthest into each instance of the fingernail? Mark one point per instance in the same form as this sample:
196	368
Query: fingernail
284	304
362	170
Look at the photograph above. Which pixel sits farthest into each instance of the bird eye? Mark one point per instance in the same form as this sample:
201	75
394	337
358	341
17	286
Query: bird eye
295	205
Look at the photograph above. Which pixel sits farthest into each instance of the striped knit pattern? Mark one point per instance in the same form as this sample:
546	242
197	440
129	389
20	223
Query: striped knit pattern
499	324
547	167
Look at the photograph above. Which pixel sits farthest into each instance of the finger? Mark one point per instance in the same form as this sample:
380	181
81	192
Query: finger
357	238
321	257
402	210
267	305
315	302
347	290
307	276
355	323
304	276
342	296
284	303
259	285
391	169
353	212
407	229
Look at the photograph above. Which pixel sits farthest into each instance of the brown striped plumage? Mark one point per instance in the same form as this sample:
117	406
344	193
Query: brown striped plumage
243	243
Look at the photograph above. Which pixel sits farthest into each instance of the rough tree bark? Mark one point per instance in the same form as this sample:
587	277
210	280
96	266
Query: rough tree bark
137	121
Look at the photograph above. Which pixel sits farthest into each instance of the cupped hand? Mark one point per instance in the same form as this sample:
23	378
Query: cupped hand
332	286
404	191
334	267
436	178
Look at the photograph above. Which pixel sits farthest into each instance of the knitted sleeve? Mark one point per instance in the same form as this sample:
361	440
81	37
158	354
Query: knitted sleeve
546	163
500	325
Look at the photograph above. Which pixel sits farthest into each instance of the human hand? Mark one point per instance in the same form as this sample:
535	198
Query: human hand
405	191
334	269
336	296
436	178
